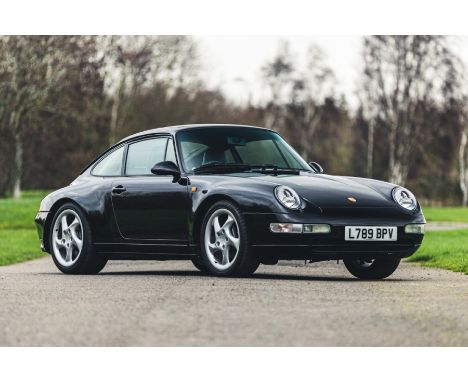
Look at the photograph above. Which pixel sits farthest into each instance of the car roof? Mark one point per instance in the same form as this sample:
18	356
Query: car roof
167	130
174	129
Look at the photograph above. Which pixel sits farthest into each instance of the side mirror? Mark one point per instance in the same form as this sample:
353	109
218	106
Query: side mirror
167	168
316	167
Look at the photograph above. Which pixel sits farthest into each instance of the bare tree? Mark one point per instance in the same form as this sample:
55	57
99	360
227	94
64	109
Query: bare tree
402	76
135	63
370	113
128	65
31	67
463	165
463	168
309	92
297	96
278	76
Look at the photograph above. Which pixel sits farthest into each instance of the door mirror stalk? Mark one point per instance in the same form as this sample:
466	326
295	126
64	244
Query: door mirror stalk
316	167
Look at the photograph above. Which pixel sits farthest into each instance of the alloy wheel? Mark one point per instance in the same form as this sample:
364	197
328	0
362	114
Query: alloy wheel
67	237
222	239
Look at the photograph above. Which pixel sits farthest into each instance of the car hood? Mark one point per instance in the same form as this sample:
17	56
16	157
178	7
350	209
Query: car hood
326	191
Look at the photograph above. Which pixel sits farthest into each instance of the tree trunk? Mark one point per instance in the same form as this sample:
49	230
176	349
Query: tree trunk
463	168
397	165
114	119
370	149
308	127
397	171
392	154
305	143
118	109
18	165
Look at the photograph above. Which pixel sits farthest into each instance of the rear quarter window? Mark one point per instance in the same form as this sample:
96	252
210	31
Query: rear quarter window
110	165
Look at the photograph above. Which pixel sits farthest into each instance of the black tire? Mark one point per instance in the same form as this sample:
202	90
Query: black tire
379	269
246	263
200	265
88	262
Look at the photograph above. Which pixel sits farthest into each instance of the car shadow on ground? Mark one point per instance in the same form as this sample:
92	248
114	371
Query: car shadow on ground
258	276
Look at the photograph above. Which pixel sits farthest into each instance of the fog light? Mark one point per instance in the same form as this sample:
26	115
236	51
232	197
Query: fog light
414	228
317	228
285	228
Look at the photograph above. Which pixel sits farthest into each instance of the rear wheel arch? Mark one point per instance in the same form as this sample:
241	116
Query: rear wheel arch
50	218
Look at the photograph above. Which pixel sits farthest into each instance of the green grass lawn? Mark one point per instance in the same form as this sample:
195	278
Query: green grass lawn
19	241
444	249
19	214
18	245
446	214
18	236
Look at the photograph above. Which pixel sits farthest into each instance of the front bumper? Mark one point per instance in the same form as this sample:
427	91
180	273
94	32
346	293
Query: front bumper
40	221
331	246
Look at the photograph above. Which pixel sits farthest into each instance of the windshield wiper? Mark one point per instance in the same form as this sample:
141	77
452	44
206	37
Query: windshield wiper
221	168
272	169
224	168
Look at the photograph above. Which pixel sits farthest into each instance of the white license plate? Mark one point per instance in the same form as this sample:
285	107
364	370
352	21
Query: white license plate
371	233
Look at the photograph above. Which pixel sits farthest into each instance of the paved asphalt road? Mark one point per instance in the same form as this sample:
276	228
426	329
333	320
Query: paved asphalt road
170	303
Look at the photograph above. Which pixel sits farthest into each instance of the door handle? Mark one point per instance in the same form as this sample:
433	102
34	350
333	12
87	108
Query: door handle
118	189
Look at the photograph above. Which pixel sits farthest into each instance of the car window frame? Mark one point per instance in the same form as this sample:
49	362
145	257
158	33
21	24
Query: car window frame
174	146
104	156
159	136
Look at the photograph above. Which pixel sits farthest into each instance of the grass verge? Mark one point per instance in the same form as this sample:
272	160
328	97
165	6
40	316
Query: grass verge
19	214
18	235
446	214
17	245
444	249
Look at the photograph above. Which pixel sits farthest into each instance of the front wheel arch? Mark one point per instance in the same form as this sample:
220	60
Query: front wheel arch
245	263
203	209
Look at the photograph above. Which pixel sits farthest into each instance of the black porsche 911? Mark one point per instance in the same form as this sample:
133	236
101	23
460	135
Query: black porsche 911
228	198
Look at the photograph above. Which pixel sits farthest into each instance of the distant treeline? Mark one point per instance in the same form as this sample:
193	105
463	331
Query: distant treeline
64	99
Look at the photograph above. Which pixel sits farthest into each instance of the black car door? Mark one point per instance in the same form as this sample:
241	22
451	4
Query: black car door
148	206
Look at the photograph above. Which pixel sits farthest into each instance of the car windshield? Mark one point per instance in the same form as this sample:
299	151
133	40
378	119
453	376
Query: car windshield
236	145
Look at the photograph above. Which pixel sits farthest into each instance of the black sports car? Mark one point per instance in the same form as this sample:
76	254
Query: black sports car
227	198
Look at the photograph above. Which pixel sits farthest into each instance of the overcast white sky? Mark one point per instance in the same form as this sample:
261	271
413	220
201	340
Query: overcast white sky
233	62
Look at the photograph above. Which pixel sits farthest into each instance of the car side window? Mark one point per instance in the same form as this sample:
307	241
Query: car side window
143	155
111	165
170	152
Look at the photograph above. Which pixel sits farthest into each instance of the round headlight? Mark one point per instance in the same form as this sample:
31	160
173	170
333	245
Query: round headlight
405	198
288	197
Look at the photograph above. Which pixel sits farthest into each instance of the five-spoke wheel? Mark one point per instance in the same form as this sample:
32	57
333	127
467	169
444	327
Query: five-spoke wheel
224	242
222	239
67	237
71	244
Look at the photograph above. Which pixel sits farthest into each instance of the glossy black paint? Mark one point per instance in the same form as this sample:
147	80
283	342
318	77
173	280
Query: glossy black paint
151	208
160	217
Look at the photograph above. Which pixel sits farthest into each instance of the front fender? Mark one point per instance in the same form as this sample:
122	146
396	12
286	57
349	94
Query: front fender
249	196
